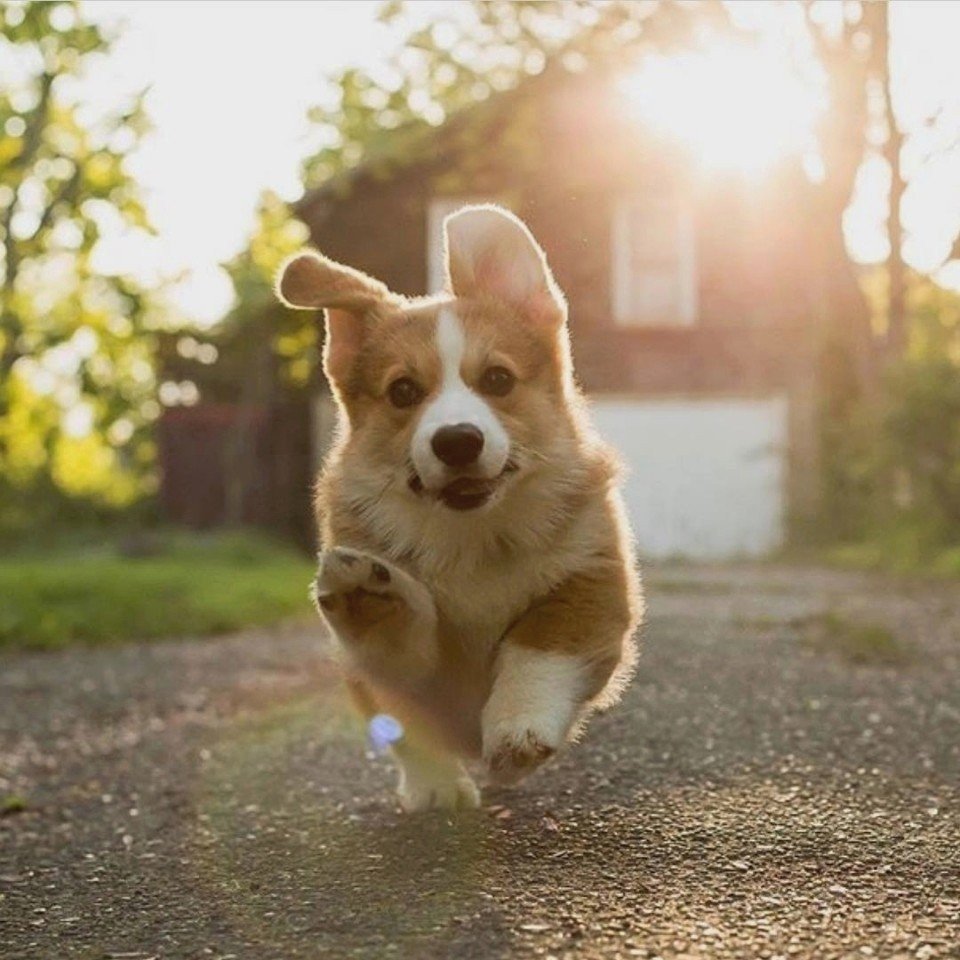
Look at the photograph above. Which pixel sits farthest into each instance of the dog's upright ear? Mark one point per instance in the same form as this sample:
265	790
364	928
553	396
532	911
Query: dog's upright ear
351	299
490	252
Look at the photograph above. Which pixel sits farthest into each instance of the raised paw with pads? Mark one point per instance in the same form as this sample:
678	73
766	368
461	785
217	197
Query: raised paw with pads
384	617
344	572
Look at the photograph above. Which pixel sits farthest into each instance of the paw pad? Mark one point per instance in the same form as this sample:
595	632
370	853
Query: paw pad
346	573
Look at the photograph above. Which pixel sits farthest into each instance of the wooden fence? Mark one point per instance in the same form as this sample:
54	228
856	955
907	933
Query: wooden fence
230	464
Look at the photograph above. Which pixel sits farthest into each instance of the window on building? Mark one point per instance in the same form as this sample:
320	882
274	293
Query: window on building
654	262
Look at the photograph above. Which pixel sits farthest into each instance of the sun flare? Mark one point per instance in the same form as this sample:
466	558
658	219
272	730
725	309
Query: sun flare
738	108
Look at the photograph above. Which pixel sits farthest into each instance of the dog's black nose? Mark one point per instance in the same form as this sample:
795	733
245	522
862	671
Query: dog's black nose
458	445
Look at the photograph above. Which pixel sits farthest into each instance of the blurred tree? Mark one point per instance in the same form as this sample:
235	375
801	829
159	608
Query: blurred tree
262	350
76	358
923	410
877	15
894	471
471	51
265	354
845	44
852	42
888	390
276	234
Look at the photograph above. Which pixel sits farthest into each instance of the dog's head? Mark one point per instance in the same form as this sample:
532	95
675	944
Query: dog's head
451	399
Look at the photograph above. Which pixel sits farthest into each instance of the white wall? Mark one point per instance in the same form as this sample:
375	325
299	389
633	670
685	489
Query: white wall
706	478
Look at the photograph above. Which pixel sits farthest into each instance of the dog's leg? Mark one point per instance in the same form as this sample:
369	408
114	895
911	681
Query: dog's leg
431	778
387	624
553	664
533	705
385	620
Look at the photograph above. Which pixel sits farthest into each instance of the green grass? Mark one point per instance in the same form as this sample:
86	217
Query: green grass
899	552
858	642
11	804
168	586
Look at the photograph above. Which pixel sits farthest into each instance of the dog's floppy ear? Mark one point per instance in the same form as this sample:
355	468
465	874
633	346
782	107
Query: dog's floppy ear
309	281
491	252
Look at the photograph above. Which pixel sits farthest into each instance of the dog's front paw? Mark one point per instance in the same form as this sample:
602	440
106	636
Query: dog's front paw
342	571
384	619
355	586
512	753
436	788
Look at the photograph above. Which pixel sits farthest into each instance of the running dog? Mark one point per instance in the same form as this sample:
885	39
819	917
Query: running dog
476	569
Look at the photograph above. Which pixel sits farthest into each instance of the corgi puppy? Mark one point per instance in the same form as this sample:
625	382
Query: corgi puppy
476	567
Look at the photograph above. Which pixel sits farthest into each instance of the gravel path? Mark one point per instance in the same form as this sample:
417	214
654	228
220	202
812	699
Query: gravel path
782	780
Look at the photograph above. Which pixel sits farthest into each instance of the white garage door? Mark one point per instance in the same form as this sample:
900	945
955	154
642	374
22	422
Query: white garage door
705	477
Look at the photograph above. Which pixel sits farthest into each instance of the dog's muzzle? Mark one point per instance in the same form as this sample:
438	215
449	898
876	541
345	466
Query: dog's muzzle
464	493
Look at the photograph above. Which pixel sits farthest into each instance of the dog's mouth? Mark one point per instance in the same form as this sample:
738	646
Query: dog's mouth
464	493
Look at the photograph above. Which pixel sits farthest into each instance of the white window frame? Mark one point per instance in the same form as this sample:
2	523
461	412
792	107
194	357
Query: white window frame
624	312
438	209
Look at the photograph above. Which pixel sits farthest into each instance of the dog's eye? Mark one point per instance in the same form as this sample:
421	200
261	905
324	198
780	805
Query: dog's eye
404	392
497	381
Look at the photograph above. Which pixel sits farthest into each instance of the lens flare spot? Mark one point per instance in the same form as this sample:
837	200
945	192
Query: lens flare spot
383	731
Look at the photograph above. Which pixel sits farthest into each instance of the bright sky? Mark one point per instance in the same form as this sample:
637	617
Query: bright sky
230	85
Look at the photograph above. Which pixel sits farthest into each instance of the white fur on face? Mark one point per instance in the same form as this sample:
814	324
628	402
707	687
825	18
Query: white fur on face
456	403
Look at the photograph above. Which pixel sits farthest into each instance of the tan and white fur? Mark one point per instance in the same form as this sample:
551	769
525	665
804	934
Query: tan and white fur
476	566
